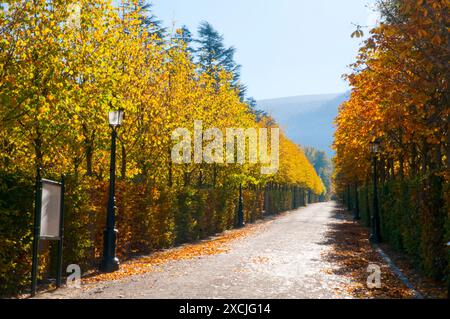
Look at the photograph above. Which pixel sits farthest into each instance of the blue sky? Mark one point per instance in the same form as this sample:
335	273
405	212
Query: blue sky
285	47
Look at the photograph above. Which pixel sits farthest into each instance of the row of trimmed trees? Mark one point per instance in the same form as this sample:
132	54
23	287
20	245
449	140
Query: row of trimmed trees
400	97
63	67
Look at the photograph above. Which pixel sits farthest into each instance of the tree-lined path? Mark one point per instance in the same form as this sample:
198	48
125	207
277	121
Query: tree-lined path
163	154
285	257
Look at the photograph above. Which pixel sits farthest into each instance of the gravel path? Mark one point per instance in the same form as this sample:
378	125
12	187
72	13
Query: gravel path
281	260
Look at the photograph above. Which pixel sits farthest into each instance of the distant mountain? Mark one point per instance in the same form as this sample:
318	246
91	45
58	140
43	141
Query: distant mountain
307	120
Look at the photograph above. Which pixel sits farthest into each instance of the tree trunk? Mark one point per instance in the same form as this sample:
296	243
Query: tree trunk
357	213
88	150
170	178
123	169
401	167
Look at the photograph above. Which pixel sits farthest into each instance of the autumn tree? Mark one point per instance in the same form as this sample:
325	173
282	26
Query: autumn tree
400	96
63	66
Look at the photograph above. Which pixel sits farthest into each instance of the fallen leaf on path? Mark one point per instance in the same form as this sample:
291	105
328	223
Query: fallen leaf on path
151	263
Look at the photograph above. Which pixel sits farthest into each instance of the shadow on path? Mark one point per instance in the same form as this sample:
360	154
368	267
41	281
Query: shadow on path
351	254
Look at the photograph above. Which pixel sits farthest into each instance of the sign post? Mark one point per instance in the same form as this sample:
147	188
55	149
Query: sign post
37	225
48	222
61	235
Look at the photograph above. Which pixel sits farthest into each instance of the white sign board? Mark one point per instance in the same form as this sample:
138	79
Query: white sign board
50	210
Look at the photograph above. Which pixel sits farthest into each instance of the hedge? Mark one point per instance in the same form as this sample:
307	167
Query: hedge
148	219
414	216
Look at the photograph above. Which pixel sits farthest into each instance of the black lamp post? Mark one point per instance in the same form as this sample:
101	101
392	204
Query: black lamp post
375	237
241	208
110	263
357	213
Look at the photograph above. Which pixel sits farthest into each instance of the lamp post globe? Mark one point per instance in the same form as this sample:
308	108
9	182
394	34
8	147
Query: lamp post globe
115	118
375	146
